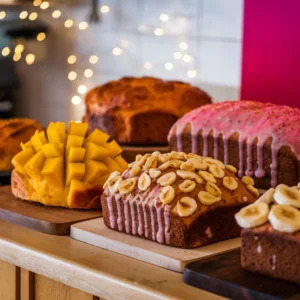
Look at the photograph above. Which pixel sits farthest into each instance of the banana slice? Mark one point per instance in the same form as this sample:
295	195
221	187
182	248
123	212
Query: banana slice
197	163
207	198
177	155
167	194
279	186
210	161
186	206
285	218
217	171
167	179
164	166
267	197
187	167
186	174
230	183
134	171
213	189
154	173
127	186
138	157
252	190
144	182
207	176
187	186
247	180
111	176
151	162
252	215
113	183
231	168
156	153
287	196
142	160
199	179
175	163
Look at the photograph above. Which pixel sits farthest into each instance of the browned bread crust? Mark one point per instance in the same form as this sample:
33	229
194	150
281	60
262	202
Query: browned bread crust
140	110
12	133
272	253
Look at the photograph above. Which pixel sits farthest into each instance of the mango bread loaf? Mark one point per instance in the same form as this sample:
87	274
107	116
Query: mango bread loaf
12	133
140	110
261	140
65	169
271	234
177	199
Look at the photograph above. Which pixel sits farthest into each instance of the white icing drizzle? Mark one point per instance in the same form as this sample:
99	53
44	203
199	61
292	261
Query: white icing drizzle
119	219
111	212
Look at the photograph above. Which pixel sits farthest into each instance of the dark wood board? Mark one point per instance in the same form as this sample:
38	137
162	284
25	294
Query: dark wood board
223	275
47	219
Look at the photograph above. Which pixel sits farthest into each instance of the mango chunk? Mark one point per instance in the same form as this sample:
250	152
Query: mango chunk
56	132
26	145
111	165
97	137
53	150
20	159
95	152
94	169
34	165
74	140
78	128
75	154
101	180
74	171
114	148
37	140
121	162
53	171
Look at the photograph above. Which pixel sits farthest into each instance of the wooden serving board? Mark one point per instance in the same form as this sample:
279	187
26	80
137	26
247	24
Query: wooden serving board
94	232
47	219
224	276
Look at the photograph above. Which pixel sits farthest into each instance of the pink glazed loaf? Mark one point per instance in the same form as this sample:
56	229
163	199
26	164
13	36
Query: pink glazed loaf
261	140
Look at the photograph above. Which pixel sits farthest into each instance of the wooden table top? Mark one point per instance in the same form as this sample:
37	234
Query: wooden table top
91	269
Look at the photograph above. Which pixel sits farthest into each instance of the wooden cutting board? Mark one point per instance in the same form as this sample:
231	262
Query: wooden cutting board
224	276
94	232
47	219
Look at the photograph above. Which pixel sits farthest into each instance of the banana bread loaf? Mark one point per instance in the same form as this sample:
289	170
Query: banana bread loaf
140	110
177	199
261	140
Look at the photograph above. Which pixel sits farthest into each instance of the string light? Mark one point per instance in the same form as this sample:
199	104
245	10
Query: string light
76	100
117	51
37	2
187	58
164	17
69	23
93	59
82	89
104	9
168	66
33	16
17	57
72	59
56	14
83	25
125	43
177	55
23	15
19	48
191	73
44	5
88	73
30	58
183	45
158	32
2	15
147	65
41	36
5	51
72	75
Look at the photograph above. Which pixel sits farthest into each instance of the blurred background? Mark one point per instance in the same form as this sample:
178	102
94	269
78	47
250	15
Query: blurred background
51	53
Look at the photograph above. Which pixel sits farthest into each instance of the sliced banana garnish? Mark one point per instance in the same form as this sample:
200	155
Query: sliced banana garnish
210	161
252	215
187	167
267	197
138	157
217	171
177	155
113	183
127	186
167	194
230	183
187	186
213	189
287	196
142	161
199	179
154	173
197	163
252	190
165	166
285	218
231	168
156	153
207	176
247	180
186	174
175	163
151	162
186	206
167	179
134	171
279	186
207	198
111	176
193	155
144	182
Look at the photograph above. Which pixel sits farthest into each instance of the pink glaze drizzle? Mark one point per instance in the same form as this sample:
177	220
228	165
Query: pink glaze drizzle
251	120
111	212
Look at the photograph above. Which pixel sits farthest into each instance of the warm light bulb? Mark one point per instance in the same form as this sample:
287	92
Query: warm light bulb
177	55
41	36
72	59
33	16
82	89
183	45
37	2
76	100
56	14
83	25
2	15
23	15
104	9
17	57
5	51
164	17
44	5
88	73
30	58
19	48
168	66
147	65
93	59
158	32
187	58
117	51
191	73
69	23
72	75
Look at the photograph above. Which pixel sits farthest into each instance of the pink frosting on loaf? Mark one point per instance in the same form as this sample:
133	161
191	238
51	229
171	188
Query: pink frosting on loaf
250	120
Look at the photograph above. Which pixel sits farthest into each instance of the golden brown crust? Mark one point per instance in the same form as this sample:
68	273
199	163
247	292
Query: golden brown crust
12	133
123	107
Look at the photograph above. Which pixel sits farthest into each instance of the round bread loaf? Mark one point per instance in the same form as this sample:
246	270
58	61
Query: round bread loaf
12	133
141	111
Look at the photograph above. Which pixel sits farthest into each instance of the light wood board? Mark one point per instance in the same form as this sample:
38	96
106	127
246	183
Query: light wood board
47	219
94	232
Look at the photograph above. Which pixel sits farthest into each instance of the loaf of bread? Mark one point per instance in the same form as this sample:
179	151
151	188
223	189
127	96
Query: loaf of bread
140	111
271	234
177	199
12	133
261	140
